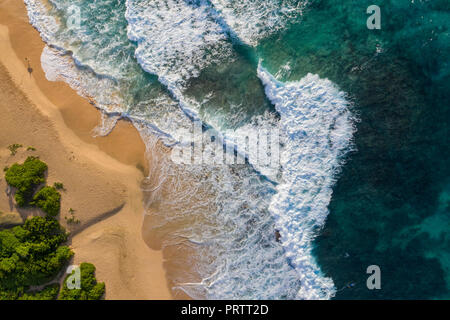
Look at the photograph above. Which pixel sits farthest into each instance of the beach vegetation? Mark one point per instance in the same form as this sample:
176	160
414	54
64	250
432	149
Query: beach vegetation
90	288
58	186
26	178
31	149
49	292
31	254
13	148
72	219
49	200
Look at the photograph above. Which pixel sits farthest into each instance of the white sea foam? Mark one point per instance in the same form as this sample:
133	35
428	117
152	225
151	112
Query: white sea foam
223	214
252	20
176	38
316	119
46	24
59	64
164	118
263	131
104	92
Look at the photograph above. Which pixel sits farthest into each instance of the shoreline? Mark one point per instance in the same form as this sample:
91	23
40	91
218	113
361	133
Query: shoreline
78	113
102	175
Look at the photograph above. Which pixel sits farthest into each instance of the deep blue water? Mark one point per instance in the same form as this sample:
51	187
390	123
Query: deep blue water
391	203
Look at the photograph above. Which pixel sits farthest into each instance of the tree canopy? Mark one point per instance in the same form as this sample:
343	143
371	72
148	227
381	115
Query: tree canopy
90	289
31	254
26	178
48	199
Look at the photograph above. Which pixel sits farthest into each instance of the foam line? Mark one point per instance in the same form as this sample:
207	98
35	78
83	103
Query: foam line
319	127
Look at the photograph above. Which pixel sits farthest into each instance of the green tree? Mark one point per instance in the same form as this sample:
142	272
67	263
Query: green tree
13	148
58	186
50	292
31	254
90	288
25	178
48	199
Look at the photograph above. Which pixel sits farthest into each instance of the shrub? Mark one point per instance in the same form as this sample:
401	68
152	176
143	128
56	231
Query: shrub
10	294
72	219
48	199
50	292
13	148
90	289
58	186
31	254
31	149
26	177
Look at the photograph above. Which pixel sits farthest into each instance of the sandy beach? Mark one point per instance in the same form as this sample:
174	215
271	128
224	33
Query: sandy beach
101	175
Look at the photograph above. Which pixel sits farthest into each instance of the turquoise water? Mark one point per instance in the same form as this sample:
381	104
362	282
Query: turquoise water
390	206
363	176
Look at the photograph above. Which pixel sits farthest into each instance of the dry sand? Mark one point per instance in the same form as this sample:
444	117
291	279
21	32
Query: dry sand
101	175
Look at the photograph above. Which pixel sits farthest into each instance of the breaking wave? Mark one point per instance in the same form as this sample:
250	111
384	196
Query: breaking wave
316	119
234	211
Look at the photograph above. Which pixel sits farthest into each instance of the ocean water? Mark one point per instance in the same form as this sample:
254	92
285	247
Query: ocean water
390	204
362	118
